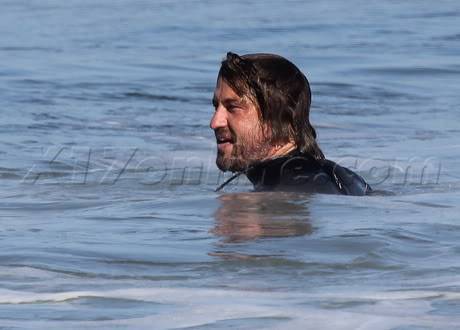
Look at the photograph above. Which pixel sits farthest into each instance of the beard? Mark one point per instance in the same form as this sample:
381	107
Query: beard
247	149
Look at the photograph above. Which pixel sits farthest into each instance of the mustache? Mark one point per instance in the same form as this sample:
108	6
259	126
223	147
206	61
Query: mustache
223	134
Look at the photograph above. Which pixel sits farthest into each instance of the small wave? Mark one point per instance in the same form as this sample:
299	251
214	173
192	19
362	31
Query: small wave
414	71
93	275
358	92
200	88
10	173
28	49
162	97
44	116
179	295
211	308
159	97
451	37
428	204
441	14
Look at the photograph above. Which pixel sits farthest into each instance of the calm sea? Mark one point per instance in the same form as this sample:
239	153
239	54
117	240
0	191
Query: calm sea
108	215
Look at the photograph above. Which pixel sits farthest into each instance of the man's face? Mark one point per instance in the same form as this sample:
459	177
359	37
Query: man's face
239	133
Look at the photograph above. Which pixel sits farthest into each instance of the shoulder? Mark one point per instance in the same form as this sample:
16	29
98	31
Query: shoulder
348	182
300	172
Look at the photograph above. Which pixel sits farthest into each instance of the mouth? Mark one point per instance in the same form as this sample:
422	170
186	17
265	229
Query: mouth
223	139
223	143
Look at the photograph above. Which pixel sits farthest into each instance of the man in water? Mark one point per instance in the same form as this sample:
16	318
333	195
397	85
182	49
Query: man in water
262	128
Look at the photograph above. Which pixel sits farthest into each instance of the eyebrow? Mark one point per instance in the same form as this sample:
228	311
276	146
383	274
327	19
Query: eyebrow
228	101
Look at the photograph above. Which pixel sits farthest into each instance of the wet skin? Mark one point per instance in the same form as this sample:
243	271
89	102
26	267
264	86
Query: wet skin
236	124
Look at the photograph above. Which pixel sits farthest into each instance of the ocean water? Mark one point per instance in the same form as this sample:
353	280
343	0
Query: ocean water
108	215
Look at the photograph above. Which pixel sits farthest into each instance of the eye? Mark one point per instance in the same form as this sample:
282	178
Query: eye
234	108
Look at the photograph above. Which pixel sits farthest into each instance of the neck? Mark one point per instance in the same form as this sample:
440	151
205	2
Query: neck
280	151
267	171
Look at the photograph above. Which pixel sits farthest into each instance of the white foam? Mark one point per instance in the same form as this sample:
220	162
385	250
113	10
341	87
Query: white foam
194	307
178	295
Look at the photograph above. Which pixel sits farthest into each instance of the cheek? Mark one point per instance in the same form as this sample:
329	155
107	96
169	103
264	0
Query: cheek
245	126
252	131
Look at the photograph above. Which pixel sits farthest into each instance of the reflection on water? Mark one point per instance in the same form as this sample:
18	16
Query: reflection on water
99	96
248	216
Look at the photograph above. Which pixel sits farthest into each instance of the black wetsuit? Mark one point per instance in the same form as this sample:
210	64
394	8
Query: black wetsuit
300	172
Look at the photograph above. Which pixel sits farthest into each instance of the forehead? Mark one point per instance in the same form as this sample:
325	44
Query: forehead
224	93
223	90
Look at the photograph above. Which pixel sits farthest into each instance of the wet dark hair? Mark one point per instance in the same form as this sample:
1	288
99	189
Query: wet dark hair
280	91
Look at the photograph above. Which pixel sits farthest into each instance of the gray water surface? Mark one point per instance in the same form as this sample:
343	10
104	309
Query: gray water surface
108	215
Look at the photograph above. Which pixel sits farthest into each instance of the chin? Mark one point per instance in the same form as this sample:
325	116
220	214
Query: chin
223	163
230	159
224	159
231	164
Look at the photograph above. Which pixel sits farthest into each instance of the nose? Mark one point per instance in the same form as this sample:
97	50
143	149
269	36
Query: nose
219	119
